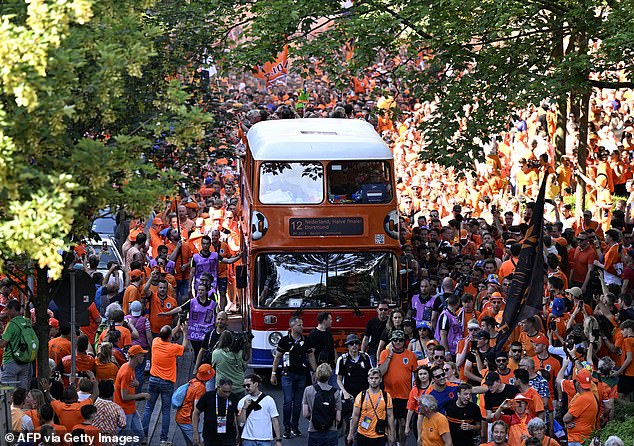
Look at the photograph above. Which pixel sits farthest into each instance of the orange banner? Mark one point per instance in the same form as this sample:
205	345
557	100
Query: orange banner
274	72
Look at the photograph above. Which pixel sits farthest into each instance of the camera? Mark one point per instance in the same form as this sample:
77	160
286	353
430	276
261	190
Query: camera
239	339
552	325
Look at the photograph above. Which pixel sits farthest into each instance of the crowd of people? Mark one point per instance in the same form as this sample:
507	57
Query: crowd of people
430	370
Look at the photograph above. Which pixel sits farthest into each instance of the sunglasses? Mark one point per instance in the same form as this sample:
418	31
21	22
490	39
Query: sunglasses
398	340
516	351
246	386
447	371
384	309
501	360
439	376
354	343
438	357
474	329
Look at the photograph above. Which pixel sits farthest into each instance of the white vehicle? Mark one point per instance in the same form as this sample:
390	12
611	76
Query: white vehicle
106	251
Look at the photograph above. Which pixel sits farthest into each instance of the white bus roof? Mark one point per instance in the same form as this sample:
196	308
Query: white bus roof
316	139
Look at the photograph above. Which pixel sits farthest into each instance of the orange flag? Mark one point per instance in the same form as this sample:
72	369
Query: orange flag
274	72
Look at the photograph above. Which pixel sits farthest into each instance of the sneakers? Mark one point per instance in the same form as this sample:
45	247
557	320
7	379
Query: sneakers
287	434
296	432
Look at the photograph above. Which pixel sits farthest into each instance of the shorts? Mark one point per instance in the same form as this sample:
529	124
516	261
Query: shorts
362	440
222	285
626	384
399	406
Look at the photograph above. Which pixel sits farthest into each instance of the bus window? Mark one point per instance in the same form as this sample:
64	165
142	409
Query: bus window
364	182
291	183
324	280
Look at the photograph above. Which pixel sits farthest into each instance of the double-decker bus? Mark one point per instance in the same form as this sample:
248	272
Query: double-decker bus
320	228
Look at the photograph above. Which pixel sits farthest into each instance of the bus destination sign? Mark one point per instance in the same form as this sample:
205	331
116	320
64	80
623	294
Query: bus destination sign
325	226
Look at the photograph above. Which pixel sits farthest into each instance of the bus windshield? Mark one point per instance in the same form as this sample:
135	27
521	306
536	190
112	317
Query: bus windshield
325	280
365	182
291	183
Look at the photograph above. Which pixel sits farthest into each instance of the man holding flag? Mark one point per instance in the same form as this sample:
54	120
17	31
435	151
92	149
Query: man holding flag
524	298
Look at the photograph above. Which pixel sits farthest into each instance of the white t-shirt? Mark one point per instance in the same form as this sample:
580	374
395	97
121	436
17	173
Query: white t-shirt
259	425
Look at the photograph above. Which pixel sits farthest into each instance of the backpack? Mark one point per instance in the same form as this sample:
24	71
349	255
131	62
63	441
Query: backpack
24	348
324	408
178	397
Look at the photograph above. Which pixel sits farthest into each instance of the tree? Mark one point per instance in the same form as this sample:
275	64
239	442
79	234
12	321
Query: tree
480	61
84	101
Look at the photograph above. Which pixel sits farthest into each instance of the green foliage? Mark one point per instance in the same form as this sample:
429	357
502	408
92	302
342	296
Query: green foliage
83	105
488	59
622	425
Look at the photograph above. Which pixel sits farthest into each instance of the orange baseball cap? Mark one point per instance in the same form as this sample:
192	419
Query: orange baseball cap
136	350
540	339
584	378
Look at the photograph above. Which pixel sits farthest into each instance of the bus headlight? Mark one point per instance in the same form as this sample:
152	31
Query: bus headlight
259	225
274	338
390	224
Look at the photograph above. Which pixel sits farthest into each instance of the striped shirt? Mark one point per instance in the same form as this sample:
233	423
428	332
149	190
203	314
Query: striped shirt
109	418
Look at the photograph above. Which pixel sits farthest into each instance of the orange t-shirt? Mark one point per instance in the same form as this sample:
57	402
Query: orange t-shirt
83	363
104	372
527	345
628	346
398	378
195	391
368	406
35	417
433	429
507	267
223	251
584	408
124	376
537	405
164	359
130	294
552	366
546	441
90	330
91	431
579	261
126	336
58	348
160	306
69	414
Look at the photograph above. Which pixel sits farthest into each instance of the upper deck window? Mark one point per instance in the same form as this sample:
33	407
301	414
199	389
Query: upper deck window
291	182
364	182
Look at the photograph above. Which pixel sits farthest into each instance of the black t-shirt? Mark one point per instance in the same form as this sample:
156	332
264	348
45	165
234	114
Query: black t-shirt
471	357
455	415
297	353
354	373
211	339
207	405
493	400
323	341
374	330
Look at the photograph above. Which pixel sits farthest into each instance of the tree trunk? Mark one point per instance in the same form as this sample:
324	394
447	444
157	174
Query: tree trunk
584	109
41	327
559	139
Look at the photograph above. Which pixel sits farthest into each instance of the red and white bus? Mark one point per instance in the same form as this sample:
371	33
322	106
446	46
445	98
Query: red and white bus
320	228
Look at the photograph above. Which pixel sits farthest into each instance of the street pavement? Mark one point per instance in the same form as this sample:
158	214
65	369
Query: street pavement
185	373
